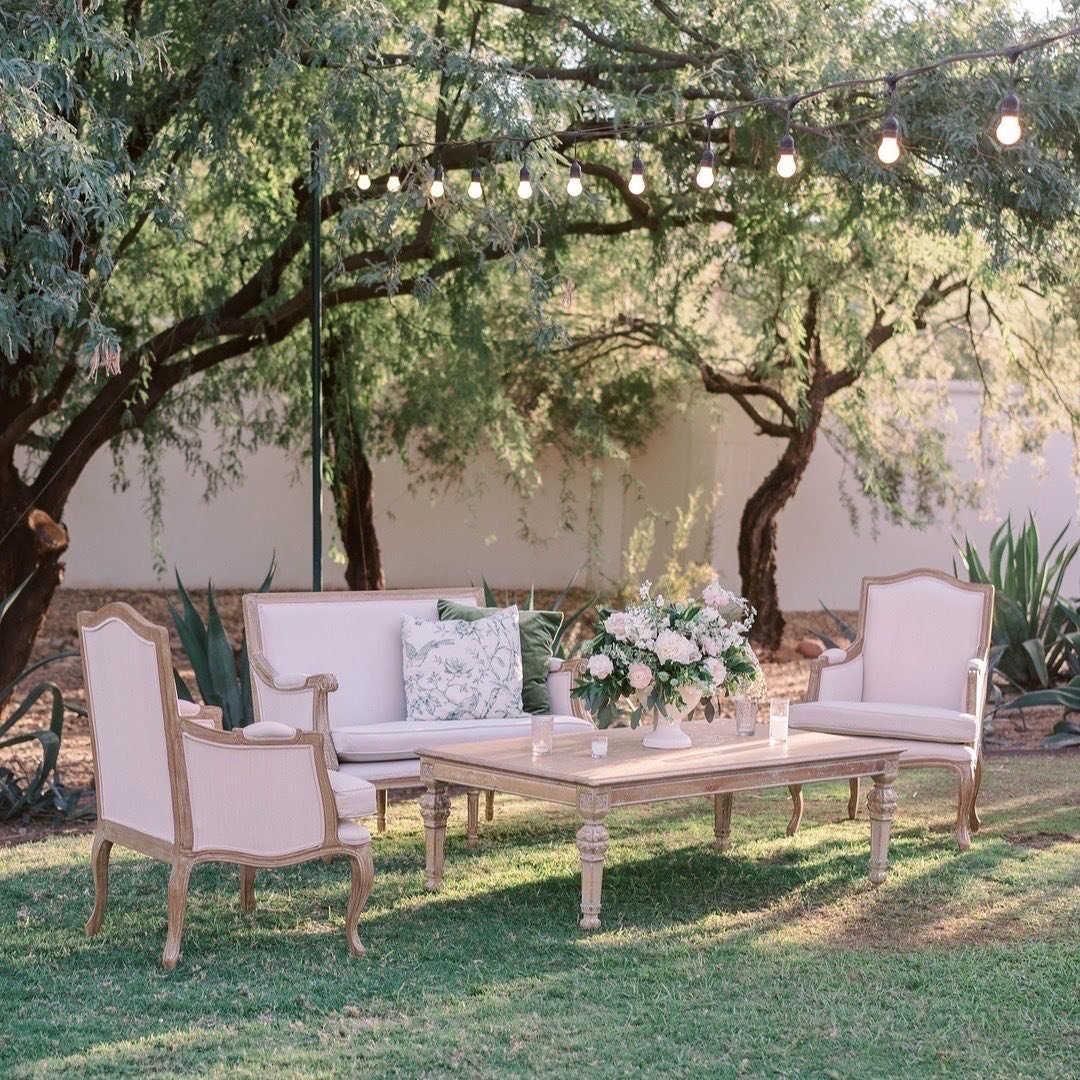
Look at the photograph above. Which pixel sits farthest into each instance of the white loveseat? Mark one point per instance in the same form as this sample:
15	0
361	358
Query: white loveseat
332	662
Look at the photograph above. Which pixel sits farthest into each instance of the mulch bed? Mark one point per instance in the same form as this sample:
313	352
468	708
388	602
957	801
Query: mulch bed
786	671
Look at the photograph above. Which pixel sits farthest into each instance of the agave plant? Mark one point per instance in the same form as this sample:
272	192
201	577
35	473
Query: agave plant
222	677
1036	634
42	791
558	647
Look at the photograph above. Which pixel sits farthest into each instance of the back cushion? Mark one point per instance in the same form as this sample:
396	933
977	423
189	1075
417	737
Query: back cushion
918	636
359	641
124	697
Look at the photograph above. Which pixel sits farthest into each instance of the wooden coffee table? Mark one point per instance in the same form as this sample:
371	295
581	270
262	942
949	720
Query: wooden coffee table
718	764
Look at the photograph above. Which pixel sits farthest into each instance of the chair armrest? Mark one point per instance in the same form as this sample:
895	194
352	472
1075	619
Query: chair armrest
207	715
318	686
562	678
837	675
975	687
267	796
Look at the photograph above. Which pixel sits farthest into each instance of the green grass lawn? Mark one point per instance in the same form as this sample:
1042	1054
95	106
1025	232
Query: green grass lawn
775	959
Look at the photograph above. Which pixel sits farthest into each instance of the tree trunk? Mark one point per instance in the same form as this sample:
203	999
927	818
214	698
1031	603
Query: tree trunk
32	550
757	532
353	484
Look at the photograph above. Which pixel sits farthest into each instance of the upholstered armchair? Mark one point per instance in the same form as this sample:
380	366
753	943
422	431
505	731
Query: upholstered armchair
917	673
173	785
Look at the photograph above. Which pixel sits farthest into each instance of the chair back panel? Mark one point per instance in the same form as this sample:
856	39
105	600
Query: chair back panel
919	631
354	636
127	718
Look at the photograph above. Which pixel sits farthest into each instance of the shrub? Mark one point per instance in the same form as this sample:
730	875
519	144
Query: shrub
1036	635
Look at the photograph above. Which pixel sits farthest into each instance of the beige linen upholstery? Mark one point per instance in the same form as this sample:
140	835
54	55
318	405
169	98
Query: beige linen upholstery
917	672
332	662
173	785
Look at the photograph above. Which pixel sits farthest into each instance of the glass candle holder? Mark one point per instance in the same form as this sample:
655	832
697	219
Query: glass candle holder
599	746
542	729
778	721
746	710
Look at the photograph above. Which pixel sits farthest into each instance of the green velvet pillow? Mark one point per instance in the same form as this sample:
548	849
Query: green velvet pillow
538	630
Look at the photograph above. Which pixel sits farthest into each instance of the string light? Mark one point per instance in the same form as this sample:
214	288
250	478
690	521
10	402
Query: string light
573	185
888	151
637	169
1008	129
475	188
438	188
706	174
524	183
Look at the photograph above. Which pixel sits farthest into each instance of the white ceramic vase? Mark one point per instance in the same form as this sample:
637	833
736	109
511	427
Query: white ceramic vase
667	733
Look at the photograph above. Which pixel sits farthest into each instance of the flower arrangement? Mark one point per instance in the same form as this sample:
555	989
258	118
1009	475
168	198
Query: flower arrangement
655	650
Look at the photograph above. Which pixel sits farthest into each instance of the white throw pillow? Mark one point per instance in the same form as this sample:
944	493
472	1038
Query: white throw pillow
457	670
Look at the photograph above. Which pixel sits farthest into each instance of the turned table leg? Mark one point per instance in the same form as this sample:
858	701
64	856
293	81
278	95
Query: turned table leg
435	809
722	812
881	803
592	842
473	827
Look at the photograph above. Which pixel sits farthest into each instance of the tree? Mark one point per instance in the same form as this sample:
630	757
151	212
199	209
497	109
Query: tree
155	198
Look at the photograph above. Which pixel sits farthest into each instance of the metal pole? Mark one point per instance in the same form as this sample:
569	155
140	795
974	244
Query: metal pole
316	370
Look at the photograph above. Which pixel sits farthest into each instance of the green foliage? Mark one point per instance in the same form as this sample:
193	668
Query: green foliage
570	619
42	791
1036	633
222	676
843	628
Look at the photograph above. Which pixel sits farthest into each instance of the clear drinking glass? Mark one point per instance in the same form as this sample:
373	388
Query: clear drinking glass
778	721
542	729
746	710
599	746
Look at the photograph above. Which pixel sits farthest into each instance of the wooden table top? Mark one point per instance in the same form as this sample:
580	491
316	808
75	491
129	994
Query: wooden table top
716	749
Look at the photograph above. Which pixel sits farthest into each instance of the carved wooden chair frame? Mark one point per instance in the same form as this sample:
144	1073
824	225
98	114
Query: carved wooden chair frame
180	853
969	780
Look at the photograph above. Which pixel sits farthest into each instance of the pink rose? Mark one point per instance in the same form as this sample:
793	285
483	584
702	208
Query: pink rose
640	676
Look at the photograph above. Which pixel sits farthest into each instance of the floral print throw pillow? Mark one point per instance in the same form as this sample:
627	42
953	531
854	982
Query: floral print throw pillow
457	670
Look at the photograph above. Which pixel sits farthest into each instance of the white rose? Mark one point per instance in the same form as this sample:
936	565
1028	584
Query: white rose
600	666
640	676
617	625
717	672
673	647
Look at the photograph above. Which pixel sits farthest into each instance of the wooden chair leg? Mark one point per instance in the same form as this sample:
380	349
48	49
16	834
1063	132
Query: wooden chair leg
247	888
965	800
178	886
363	875
853	798
472	830
974	821
796	808
99	862
489	805
380	810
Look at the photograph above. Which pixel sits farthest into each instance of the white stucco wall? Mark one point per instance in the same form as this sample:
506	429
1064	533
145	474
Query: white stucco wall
458	537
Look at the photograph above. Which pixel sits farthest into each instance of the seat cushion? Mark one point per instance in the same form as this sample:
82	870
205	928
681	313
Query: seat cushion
537	630
379	772
919	752
353	796
920	722
389	742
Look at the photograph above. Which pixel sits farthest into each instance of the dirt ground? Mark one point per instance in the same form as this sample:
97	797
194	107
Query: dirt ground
786	671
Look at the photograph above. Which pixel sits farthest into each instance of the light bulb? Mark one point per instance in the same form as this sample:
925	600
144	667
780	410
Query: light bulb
1008	129
637	177
573	185
393	181
475	188
438	188
363	181
785	164
889	150
524	184
706	175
